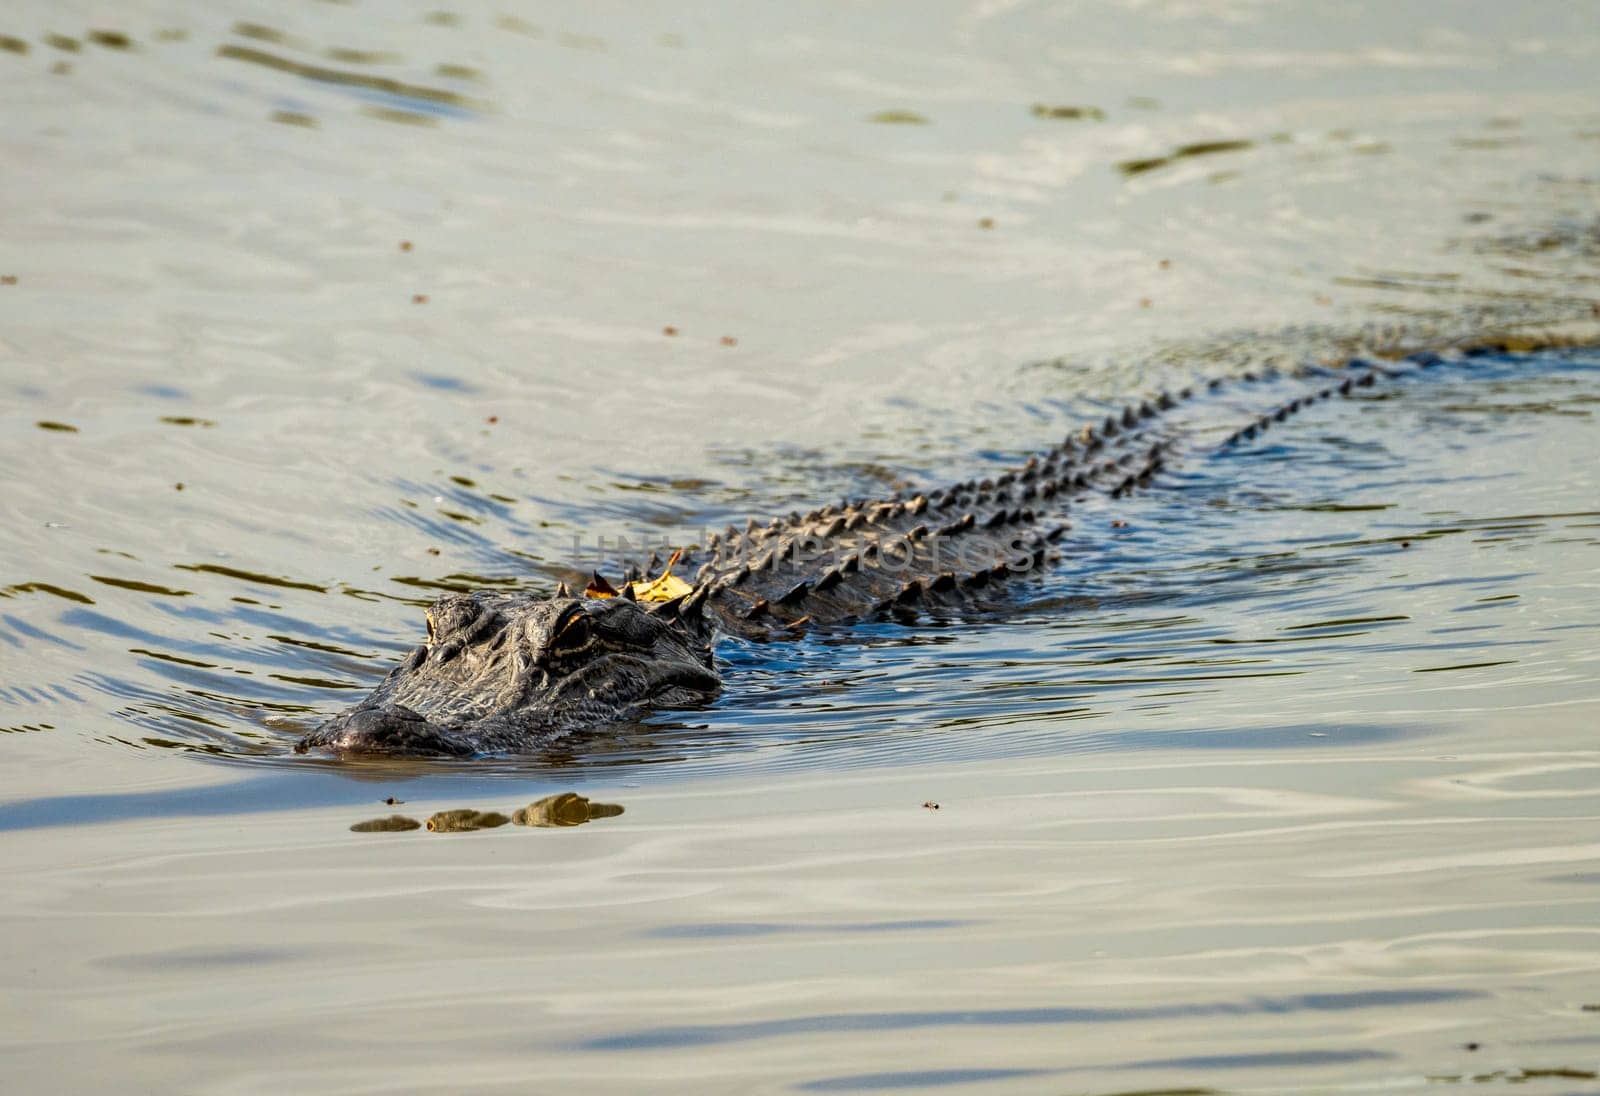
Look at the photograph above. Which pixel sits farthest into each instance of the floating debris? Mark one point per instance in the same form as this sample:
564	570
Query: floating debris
465	820
110	39
1199	148
564	809
898	118
1068	113
395	823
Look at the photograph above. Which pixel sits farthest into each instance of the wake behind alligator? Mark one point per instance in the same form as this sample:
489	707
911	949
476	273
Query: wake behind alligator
504	673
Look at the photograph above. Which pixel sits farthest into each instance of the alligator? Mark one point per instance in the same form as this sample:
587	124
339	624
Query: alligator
509	672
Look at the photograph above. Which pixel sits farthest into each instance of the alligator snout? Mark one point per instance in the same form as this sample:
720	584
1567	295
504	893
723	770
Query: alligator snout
389	730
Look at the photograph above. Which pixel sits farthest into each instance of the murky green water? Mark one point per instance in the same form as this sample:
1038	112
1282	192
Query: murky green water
1283	782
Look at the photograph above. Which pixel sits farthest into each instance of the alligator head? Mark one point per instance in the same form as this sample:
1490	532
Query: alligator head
505	671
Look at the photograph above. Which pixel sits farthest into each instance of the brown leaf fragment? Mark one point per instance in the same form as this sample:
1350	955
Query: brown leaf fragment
599	587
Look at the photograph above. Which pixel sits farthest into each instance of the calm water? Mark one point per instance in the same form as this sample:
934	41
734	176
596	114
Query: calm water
1284	782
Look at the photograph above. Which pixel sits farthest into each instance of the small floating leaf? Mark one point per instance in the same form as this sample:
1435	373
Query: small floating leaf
898	118
1068	113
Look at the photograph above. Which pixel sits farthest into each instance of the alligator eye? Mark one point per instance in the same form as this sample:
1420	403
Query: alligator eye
574	635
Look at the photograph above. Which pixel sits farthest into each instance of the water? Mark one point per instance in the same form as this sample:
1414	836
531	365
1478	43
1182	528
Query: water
1283	782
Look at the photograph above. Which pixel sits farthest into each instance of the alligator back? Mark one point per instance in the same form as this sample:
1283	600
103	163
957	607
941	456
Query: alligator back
898	555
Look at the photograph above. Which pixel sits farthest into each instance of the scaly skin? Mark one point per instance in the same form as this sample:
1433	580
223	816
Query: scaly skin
511	672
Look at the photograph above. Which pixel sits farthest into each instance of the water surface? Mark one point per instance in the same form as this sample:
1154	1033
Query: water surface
1282	782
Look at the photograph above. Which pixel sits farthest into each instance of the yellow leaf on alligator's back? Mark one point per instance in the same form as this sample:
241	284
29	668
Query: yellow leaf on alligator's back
663	587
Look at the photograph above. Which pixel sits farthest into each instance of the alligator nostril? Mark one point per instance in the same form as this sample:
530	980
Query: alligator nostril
414	659
444	652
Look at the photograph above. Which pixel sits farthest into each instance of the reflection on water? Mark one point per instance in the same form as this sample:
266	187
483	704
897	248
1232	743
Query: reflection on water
801	1025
